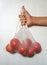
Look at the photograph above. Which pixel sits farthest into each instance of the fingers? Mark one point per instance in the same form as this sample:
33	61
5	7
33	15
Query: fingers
22	19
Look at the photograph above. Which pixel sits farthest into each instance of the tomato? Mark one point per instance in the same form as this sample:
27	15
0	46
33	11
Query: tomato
22	49
10	49
30	52
37	47
27	42
15	43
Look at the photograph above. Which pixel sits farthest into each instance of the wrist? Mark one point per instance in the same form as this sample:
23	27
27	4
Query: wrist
34	20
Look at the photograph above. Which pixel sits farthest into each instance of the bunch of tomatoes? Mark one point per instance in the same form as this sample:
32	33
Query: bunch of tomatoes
26	48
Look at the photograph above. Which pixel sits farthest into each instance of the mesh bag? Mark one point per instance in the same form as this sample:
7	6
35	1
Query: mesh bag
24	43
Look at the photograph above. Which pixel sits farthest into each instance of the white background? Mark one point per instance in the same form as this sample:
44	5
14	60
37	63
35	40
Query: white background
9	11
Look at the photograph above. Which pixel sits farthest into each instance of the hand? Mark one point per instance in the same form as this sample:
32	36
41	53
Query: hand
26	18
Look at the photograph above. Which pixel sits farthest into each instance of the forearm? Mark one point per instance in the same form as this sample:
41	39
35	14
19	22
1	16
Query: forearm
40	21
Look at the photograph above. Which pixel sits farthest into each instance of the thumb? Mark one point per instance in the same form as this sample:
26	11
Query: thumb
24	10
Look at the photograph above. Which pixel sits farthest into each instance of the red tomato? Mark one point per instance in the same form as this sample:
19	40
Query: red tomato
10	49
27	42
22	49
37	47
15	43
30	52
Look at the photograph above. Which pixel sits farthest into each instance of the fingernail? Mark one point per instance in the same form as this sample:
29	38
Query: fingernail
23	6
